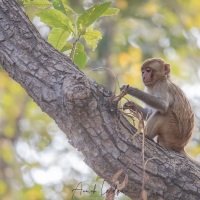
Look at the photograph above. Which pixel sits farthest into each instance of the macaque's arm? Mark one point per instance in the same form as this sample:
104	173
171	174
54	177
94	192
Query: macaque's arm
156	102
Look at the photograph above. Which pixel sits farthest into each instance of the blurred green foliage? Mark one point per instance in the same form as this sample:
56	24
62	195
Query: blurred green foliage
36	162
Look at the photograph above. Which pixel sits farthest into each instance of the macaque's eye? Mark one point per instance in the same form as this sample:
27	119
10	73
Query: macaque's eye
148	69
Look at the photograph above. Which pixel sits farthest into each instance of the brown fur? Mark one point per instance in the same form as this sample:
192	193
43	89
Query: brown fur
168	112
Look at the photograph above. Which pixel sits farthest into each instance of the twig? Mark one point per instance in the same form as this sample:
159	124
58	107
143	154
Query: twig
113	74
141	126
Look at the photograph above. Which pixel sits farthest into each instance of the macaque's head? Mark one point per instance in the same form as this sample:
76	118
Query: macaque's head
153	70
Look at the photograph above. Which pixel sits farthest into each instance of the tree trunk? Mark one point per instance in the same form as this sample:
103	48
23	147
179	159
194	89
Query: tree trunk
82	109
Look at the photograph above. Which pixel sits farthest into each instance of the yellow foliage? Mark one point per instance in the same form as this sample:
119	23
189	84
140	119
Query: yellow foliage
192	8
124	59
192	5
11	104
188	21
3	79
171	18
191	20
3	187
135	54
193	150
7	152
131	61
197	20
121	4
129	78
35	193
133	76
9	131
151	8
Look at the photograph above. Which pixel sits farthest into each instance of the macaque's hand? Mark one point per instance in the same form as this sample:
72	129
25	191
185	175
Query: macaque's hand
124	87
123	92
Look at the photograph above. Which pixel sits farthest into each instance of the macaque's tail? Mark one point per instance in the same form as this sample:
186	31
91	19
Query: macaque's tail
190	158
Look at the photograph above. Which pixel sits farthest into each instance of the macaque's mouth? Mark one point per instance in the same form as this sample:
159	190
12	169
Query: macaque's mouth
146	82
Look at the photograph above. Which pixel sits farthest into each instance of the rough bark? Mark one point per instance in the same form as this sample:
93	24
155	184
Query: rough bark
82	110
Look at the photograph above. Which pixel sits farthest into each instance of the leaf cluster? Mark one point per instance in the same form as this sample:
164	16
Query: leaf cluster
68	27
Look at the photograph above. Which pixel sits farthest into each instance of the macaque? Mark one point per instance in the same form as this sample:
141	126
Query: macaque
168	112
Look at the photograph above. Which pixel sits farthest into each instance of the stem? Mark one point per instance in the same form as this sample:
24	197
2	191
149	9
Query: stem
77	37
74	48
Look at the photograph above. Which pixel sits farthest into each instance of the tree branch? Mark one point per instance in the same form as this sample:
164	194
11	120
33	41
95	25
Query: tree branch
81	108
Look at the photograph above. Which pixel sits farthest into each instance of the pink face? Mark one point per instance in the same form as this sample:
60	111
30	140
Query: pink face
147	75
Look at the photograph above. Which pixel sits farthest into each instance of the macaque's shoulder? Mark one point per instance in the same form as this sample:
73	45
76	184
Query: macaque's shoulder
160	90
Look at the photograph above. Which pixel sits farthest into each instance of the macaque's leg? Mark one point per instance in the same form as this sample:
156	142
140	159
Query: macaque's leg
169	135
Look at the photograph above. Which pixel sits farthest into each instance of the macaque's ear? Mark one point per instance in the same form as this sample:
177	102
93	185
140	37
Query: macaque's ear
167	69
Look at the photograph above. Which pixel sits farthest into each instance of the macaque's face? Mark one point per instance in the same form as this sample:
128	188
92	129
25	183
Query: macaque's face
153	71
147	76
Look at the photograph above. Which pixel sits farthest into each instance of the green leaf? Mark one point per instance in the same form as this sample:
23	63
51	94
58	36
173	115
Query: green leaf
57	37
58	4
38	3
56	19
92	37
68	9
110	12
80	58
66	47
80	46
91	15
